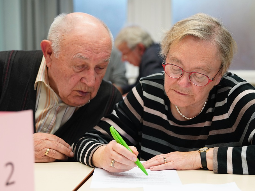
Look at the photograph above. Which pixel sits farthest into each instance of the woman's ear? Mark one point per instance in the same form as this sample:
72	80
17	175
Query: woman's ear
218	79
47	51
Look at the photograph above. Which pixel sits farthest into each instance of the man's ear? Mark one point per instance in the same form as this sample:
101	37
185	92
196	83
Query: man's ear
47	51
141	48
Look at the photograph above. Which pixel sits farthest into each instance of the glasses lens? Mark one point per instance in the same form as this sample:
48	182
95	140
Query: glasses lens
198	79
173	71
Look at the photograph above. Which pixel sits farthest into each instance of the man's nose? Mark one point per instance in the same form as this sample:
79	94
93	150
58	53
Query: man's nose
89	78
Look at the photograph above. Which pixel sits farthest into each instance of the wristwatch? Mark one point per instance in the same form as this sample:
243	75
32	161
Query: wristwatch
202	152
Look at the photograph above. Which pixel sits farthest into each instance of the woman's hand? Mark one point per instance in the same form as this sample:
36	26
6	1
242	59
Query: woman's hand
178	161
114	157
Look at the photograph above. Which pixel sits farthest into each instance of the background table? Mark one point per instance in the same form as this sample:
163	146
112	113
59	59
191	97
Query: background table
60	175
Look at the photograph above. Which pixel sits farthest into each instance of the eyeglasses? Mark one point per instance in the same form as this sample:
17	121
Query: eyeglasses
198	79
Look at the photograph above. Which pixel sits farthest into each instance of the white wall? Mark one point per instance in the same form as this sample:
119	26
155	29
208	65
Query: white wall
154	16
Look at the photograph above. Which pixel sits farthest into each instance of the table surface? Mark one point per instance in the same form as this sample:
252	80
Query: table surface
70	175
244	182
59	175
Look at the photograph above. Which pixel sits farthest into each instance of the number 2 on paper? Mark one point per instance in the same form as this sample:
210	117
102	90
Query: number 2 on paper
9	182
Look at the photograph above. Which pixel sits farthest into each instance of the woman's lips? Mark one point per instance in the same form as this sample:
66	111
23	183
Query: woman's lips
180	93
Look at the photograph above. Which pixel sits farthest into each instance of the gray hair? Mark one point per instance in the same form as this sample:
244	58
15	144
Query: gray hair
133	35
60	26
203	27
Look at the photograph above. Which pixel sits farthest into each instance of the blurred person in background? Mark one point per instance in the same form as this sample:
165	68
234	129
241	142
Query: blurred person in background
116	70
138	48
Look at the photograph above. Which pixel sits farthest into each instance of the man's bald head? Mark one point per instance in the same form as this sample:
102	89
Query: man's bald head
66	24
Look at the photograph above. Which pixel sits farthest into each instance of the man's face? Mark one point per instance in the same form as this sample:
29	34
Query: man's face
133	56
76	74
192	55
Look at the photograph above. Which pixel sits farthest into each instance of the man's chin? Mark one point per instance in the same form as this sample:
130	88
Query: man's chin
77	104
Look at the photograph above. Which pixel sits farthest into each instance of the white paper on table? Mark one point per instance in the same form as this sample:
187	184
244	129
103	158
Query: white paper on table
133	178
195	187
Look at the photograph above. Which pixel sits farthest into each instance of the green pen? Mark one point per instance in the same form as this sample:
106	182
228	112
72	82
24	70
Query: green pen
119	140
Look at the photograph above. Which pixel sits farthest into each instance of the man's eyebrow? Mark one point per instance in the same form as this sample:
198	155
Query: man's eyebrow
80	56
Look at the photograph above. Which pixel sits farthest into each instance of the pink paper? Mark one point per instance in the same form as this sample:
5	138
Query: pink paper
16	151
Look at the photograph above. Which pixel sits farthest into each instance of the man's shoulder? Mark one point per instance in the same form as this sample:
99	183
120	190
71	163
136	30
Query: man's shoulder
105	85
108	89
21	52
20	56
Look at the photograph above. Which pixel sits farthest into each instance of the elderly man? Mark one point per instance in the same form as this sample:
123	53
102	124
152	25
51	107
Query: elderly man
62	84
195	115
138	48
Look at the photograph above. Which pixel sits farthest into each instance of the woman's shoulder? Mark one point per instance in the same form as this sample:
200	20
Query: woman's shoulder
233	82
232	86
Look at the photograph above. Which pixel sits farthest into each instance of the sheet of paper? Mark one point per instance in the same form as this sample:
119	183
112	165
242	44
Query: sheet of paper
133	178
195	187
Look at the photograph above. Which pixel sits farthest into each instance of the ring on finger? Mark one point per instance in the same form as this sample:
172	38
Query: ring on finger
164	160
46	152
112	163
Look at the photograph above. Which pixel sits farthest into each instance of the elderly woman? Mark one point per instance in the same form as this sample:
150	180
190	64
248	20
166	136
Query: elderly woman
193	115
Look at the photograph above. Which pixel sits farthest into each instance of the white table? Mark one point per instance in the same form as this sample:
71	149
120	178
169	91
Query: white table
60	175
244	182
71	175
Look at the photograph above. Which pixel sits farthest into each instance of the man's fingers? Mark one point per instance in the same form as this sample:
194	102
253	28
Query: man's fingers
51	153
53	138
49	147
57	147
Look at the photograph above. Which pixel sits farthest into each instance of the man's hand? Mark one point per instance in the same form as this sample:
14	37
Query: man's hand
123	158
58	148
178	161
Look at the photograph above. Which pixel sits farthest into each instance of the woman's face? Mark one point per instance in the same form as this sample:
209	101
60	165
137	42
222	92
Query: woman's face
192	55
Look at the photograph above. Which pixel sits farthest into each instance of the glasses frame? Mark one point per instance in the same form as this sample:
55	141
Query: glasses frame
183	71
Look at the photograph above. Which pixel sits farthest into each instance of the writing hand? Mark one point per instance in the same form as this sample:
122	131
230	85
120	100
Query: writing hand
58	148
123	158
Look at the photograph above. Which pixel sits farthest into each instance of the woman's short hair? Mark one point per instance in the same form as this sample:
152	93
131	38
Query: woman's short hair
203	27
133	35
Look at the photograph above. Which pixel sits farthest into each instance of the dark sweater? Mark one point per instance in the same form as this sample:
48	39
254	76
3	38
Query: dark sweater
18	71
